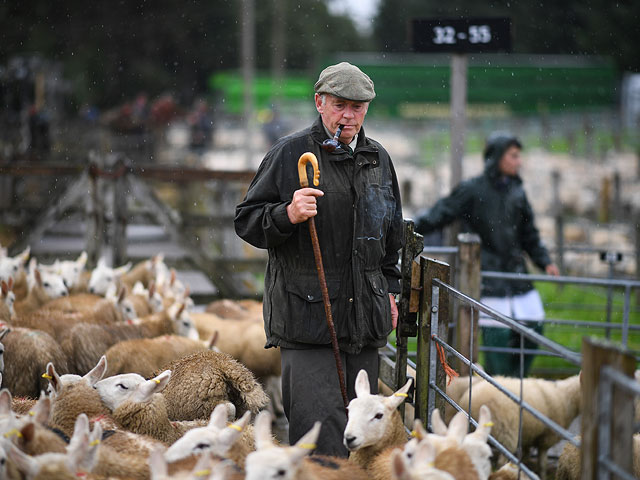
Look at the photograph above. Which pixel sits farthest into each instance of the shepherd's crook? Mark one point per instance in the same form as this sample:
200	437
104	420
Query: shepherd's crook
304	183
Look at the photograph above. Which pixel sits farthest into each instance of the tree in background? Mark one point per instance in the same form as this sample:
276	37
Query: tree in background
596	27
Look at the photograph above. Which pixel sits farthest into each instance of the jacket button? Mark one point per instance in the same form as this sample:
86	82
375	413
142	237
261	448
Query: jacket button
309	297
374	162
351	300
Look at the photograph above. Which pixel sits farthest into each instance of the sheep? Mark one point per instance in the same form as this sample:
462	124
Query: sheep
569	461
229	309
7	300
147	355
140	408
81	456
207	467
422	465
42	287
154	300
293	463
559	400
202	380
217	437
374	427
14	267
71	272
144	272
84	343
26	354
103	277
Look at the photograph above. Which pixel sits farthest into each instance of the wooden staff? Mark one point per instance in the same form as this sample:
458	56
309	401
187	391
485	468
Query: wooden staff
304	183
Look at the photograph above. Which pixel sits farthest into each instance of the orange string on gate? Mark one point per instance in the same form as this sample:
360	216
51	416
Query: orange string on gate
450	372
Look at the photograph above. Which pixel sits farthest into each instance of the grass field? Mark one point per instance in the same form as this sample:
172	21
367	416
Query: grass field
576	303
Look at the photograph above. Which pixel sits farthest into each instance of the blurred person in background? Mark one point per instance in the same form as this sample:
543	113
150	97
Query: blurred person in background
494	206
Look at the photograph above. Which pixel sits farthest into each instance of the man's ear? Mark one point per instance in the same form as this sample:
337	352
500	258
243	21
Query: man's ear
319	105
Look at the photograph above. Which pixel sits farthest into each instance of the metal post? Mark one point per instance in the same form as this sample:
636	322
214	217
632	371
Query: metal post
469	281
119	217
625	315
559	220
248	73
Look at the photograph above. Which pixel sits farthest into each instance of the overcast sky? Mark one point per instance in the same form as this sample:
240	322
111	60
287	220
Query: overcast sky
361	11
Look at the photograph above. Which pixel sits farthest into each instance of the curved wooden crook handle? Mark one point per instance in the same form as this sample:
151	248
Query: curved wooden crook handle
302	169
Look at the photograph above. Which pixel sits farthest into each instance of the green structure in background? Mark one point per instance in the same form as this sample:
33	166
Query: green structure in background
417	86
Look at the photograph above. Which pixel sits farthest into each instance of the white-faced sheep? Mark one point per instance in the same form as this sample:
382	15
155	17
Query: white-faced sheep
147	355
203	380
26	354
218	438
270	462
208	467
103	277
13	267
421	466
374	427
71	272
558	400
42	287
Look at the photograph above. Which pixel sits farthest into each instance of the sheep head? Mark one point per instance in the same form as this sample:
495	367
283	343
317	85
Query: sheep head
13	266
71	270
48	283
114	391
272	462
420	466
217	437
370	416
56	382
103	276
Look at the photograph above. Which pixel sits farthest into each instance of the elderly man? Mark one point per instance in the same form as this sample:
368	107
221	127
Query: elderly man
358	216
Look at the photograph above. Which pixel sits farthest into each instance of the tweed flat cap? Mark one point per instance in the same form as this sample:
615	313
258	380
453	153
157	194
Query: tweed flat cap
346	81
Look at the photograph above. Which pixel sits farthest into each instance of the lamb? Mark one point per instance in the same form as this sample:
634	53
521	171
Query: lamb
141	408
147	355
218	438
42	287
151	296
144	272
229	309
569	462
85	343
71	272
374	427
203	380
559	400
207	467
103	277
13	267
26	355
81	456
422	465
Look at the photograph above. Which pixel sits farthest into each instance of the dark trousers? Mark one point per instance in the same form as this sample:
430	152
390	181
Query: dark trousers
507	364
311	392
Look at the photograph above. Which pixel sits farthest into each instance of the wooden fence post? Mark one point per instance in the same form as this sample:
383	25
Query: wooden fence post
469	283
430	269
595	354
556	209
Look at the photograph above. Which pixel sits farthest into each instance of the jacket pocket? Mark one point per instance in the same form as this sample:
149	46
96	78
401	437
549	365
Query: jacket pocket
377	305
306	322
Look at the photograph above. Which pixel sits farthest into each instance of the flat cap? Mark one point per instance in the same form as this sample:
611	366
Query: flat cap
345	81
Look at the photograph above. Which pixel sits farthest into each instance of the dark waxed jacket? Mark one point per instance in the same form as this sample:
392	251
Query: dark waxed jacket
496	208
359	224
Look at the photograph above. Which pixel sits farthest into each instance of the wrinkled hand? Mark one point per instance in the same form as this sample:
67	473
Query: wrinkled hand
552	270
303	206
394	311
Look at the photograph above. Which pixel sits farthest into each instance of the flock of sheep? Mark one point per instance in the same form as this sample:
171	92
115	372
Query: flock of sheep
132	384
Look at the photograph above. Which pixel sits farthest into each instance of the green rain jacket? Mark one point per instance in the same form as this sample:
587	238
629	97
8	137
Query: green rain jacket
359	224
496	208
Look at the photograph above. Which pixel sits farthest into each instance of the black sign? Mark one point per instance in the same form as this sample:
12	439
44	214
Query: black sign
462	35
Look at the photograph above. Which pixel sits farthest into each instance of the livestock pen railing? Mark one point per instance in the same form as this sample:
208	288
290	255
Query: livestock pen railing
426	301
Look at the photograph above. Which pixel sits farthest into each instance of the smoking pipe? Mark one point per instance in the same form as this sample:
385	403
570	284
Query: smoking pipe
331	145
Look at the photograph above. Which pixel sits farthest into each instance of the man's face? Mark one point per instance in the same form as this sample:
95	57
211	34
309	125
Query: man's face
510	162
338	111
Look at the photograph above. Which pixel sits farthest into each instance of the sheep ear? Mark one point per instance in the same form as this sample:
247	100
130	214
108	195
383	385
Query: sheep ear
25	463
10	283
101	263
362	387
398	397
307	443
262	430
41	409
82	259
172	279
230	434
118	272
213	341
53	377
5	402
27	433
484	424
152	288
219	417
24	255
420	431
97	372
157	464
398	466
79	443
38	277
458	427
121	295
145	390
91	456
138	289
3	332
437	424
5	287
